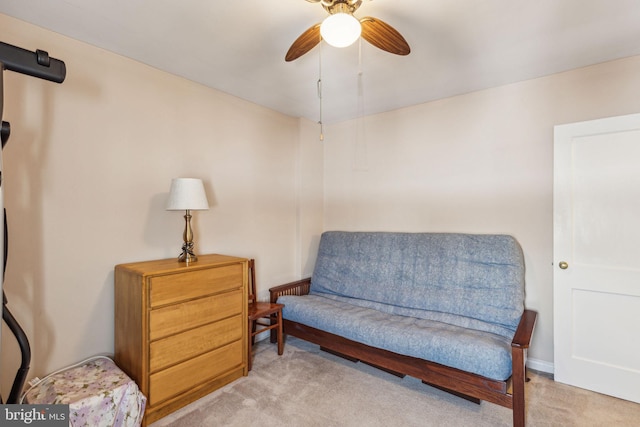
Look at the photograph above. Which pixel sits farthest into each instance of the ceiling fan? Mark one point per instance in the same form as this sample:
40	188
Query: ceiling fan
378	33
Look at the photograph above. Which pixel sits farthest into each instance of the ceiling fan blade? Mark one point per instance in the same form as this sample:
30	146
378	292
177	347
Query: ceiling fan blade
303	44
384	36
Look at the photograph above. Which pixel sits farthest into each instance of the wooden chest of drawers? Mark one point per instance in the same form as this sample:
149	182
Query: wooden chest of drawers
181	330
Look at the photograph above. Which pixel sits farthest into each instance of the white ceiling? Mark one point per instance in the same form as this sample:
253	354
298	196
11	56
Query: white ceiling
238	46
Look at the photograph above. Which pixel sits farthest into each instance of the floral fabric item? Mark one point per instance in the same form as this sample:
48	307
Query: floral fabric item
98	394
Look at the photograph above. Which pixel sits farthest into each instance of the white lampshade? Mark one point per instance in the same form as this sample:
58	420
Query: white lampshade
187	194
340	29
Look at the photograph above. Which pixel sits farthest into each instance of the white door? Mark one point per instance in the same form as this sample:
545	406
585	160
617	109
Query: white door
597	255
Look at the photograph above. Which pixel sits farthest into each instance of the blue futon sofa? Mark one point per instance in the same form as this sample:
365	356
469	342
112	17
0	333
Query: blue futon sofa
442	307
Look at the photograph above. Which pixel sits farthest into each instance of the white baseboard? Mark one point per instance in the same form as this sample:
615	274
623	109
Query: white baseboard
263	336
540	365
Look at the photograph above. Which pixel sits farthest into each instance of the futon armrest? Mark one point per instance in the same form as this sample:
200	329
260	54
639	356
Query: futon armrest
522	338
299	287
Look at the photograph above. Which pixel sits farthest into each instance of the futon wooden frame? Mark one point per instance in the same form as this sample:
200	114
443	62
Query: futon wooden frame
472	387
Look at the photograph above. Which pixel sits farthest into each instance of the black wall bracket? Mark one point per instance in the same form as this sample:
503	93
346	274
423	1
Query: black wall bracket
36	64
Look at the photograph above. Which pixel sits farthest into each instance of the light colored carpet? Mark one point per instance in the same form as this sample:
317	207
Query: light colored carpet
306	387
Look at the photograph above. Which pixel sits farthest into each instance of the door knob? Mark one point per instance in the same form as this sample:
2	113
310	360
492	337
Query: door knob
563	265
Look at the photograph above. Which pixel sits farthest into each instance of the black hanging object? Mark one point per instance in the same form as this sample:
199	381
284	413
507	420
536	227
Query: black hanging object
37	64
18	332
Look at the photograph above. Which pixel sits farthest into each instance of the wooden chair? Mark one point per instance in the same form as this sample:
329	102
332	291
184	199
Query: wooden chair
258	311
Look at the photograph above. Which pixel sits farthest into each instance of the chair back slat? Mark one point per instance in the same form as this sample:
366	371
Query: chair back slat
252	281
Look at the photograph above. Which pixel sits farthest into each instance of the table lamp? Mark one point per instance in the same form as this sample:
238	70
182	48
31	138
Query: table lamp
187	194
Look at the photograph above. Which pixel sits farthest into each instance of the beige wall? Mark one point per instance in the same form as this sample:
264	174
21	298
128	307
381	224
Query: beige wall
89	164
479	163
87	171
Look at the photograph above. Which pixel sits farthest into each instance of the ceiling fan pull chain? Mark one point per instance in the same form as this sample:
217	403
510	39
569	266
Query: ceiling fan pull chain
320	121
360	87
360	144
320	91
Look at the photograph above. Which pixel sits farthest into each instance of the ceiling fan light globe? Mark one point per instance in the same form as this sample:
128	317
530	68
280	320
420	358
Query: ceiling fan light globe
340	29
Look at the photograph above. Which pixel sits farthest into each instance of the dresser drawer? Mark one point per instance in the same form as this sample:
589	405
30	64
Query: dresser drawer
177	348
177	379
181	317
173	288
